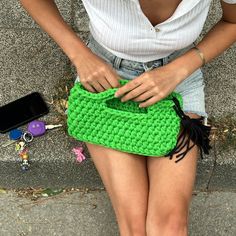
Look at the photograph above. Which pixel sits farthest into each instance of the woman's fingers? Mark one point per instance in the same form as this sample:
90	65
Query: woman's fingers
131	85
110	79
144	96
88	87
149	102
97	76
105	81
113	78
96	85
135	93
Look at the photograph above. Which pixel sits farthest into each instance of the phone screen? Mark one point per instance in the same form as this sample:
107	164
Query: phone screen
22	111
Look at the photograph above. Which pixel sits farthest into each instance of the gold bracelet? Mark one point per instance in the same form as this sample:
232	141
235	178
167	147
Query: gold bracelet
200	54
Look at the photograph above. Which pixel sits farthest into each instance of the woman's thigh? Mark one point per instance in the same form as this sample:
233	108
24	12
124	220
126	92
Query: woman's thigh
170	188
125	178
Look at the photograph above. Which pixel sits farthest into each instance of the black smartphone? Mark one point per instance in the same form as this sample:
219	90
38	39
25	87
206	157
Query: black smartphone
22	111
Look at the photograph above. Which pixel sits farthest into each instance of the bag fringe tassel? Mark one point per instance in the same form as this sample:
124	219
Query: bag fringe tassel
192	129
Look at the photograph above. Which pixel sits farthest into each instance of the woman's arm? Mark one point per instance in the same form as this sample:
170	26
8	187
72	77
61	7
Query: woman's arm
94	73
216	41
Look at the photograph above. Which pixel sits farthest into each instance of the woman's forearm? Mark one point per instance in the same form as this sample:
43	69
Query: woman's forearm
46	14
215	42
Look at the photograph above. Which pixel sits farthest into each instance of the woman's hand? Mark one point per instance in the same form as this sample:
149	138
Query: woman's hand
95	74
151	86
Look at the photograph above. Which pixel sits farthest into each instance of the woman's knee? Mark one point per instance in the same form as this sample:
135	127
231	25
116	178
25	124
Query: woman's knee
130	213
133	225
131	220
172	220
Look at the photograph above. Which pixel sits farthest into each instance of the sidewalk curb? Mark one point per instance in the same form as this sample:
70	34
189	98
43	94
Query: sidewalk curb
65	173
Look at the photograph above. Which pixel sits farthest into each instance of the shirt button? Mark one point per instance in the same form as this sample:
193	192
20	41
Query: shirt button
157	30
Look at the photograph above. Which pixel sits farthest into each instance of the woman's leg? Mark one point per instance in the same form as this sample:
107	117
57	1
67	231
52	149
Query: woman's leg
170	193
125	179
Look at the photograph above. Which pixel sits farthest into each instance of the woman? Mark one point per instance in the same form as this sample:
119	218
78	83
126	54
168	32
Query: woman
150	43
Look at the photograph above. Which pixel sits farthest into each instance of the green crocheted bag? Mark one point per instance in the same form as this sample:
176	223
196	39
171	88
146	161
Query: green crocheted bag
102	119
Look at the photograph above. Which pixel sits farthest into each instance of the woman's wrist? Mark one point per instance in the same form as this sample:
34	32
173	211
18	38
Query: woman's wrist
186	64
78	53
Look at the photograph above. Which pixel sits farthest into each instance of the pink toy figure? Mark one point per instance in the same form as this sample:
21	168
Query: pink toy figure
79	155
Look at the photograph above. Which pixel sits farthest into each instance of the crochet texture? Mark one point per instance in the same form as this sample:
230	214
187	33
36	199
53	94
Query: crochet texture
100	118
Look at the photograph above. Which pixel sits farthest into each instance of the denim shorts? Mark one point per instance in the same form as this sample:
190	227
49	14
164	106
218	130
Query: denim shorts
191	89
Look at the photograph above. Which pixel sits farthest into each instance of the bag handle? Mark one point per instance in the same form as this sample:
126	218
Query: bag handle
167	103
143	111
109	94
78	87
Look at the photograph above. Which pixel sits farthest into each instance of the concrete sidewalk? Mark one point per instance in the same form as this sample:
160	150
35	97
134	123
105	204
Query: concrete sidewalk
91	214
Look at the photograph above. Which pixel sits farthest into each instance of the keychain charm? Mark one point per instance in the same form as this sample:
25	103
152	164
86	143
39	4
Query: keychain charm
20	146
22	149
79	154
25	159
23	154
